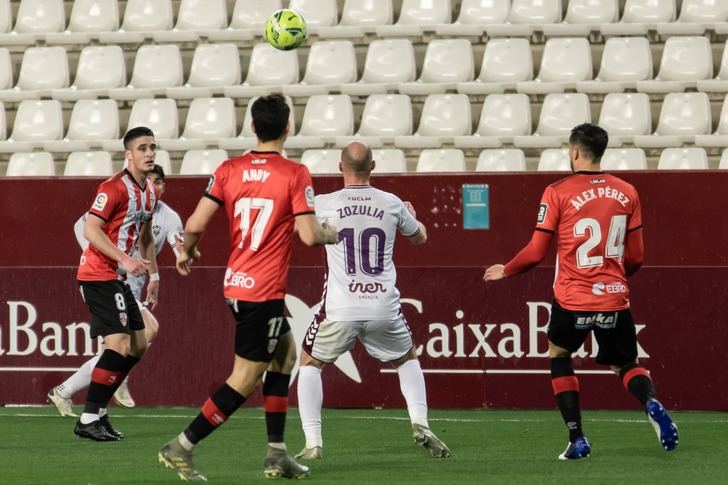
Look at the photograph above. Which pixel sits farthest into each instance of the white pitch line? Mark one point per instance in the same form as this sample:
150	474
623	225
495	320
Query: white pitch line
38	369
499	371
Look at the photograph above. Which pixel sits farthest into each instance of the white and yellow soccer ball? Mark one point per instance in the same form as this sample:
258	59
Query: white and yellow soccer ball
285	30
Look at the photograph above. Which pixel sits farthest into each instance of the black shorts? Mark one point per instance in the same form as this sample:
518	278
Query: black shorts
614	331
259	325
113	307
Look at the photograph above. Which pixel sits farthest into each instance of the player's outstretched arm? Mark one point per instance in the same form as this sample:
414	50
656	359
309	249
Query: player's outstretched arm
78	229
420	237
196	225
94	233
314	234
527	258
634	252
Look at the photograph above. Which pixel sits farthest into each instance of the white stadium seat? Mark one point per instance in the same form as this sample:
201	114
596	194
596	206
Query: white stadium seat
448	160
389	161
156	68
251	14
100	68
3	122
202	162
371	13
42	69
585	16
6	17
503	117
317	13
649	11
560	113
93	121
159	115
720	83
269	70
6	69
31	164
723	164
565	61
202	15
148	15
417	16
161	158
208	121
330	64
683	116
321	161
475	15
554	160
325	118
685	60
720	137
444	116
535	12
625	61
625	115
683	159
214	66
40	17
97	164
35	122
702	11
505	63
388	63
385	116
507	160
624	159
447	62
94	16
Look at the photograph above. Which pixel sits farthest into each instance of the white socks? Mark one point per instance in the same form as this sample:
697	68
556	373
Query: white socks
412	384
185	442
87	418
310	400
79	380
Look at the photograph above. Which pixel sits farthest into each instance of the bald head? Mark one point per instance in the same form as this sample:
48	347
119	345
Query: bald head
356	158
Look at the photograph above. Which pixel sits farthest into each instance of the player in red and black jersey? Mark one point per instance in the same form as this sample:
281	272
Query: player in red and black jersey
266	197
597	220
118	222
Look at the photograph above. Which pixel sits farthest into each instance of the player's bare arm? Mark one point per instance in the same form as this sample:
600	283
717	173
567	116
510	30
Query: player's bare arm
196	225
149	252
419	237
530	256
634	252
94	233
314	234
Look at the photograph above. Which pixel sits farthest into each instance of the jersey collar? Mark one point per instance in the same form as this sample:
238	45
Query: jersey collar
134	180
357	186
588	172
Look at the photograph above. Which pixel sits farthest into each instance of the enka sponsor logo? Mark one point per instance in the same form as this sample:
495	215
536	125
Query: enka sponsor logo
25	335
601	288
239	279
601	320
355	287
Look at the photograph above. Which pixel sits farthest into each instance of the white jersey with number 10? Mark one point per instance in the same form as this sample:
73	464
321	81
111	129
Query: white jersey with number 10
360	283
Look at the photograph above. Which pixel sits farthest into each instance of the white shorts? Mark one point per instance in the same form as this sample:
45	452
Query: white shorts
142	306
385	340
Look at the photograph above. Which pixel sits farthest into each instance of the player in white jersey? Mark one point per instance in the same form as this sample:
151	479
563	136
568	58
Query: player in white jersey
361	299
166	227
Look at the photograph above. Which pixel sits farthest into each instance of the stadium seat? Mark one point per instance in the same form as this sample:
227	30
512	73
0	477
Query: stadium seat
42	69
93	121
505	63
3	122
584	16
325	118
35	122
156	68
388	63
88	164
625	115
723	164
720	83
474	14
214	66
444	116
88	19
640	16
703	11
385	116
100	68
269	70
246	140
6	17
720	137
442	160
159	115
389	161
447	62
503	117
31	164
683	116
40	17
508	160
370	13
560	113
624	159
565	61
625	61
161	158
251	14
330	64
527	16
683	159
142	19
321	161
208	121
196	18
554	160
317	13
6	69
202	162
685	60
418	16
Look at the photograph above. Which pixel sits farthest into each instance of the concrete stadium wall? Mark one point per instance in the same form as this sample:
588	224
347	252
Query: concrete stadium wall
481	346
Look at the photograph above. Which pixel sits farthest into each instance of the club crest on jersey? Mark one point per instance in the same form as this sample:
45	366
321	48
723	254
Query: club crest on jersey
100	201
123	319
542	210
155	230
272	345
310	196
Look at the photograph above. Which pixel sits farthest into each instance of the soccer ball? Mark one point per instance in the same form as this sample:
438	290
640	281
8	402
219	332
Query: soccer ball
285	30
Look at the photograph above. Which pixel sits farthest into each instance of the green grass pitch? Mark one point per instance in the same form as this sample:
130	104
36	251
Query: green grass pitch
371	447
